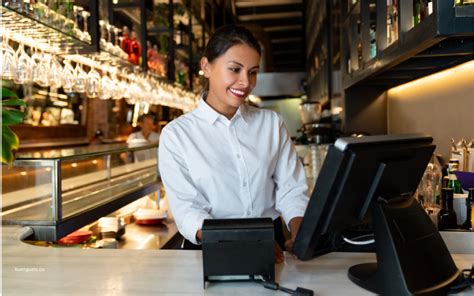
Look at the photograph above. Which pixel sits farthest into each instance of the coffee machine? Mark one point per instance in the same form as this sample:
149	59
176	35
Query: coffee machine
317	133
318	126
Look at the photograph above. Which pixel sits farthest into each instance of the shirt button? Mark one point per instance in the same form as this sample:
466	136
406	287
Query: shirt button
249	213
238	155
245	184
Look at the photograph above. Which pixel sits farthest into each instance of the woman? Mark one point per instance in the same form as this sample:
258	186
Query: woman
226	159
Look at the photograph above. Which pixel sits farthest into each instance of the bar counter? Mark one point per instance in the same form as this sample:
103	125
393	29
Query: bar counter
32	270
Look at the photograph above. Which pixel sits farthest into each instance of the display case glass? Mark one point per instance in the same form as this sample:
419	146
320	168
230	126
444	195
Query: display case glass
56	191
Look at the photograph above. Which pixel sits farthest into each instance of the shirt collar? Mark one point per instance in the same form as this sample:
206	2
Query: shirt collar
211	115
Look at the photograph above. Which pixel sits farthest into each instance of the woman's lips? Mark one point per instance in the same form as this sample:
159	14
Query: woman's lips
237	92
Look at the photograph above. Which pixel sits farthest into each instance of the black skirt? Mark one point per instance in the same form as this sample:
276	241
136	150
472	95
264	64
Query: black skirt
279	237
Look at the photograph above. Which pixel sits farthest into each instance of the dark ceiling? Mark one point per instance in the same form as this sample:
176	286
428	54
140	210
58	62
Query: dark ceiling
279	24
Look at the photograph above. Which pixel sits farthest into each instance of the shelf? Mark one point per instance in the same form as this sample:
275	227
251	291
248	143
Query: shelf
42	35
440	41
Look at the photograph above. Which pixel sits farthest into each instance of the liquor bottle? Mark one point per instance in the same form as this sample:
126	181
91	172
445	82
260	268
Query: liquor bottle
447	216
453	181
134	56
416	12
469	215
392	21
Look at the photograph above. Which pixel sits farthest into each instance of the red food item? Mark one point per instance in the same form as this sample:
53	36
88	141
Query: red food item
76	237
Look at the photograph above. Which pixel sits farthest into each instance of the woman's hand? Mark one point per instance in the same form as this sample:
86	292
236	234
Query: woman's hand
294	225
199	236
278	254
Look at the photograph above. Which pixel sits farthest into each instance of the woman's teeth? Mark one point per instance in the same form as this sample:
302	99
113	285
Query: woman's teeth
237	92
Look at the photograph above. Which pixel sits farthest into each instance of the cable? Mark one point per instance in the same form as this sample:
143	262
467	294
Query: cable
275	286
359	243
466	280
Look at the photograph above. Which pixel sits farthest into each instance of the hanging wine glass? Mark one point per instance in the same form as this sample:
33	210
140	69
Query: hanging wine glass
85	35
122	87
23	63
116	89
56	72
8	61
106	88
68	77
80	79
93	83
42	71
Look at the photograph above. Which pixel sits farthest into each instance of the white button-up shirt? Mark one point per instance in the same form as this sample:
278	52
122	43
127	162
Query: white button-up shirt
213	167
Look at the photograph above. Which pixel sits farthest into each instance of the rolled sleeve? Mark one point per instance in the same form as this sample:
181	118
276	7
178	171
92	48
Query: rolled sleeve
291	192
188	205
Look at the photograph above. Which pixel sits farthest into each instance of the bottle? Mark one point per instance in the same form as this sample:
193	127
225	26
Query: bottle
416	12
447	216
469	215
453	181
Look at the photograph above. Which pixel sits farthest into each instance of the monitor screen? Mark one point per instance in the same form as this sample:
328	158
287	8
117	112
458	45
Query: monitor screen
372	180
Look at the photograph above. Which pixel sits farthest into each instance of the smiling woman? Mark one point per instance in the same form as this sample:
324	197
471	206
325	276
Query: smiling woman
232	77
226	159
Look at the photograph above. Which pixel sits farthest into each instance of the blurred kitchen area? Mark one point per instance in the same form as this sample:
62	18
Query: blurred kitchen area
89	70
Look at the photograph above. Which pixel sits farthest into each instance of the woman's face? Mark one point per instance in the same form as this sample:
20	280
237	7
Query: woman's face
232	76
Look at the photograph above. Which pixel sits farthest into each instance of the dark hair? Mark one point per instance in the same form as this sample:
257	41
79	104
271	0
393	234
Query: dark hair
148	115
227	36
224	38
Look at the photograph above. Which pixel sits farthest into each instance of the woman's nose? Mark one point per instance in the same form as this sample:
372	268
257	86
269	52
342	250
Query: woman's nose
244	79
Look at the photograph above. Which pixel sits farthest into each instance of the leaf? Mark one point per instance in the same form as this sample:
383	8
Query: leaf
6	93
10	142
11	116
14	102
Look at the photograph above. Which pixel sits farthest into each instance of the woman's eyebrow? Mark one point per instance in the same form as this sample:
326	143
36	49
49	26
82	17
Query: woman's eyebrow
237	63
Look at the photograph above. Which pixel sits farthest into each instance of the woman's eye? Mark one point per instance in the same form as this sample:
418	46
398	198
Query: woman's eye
253	73
235	70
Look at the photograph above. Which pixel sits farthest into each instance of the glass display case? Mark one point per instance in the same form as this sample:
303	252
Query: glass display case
58	191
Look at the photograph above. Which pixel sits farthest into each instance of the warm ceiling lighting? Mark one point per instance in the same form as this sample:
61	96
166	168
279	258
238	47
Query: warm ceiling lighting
439	78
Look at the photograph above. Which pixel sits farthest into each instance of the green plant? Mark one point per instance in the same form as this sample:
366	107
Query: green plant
10	115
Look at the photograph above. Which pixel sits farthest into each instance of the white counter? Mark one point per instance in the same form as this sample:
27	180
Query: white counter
32	270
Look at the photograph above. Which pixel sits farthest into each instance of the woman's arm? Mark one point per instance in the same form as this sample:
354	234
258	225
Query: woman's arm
291	191
188	205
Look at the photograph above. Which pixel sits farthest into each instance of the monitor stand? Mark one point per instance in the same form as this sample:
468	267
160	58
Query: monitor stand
412	258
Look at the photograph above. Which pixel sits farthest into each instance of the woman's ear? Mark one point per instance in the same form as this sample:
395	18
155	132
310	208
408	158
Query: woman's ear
205	66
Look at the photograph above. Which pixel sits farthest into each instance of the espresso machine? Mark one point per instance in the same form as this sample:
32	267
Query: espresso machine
318	126
317	133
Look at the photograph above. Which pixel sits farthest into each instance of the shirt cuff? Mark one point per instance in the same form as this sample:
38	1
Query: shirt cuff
192	222
292	213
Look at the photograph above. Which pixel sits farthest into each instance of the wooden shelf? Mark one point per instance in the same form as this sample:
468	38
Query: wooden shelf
440	41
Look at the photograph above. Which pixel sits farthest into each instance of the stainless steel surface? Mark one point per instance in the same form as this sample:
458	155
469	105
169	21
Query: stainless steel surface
57	200
83	151
147	237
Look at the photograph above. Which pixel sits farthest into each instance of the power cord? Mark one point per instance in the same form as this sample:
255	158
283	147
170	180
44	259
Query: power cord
467	280
275	286
353	240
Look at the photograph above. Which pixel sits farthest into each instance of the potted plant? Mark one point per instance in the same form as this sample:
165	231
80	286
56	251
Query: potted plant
10	115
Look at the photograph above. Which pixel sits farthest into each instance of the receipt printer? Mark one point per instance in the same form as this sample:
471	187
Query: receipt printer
232	248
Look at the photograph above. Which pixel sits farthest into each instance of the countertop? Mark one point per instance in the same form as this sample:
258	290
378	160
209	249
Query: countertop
36	270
